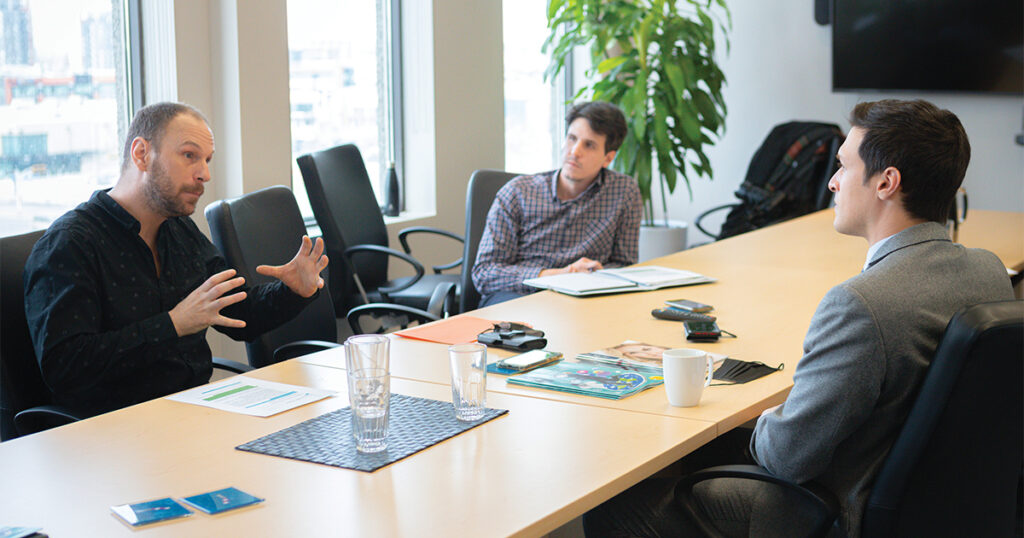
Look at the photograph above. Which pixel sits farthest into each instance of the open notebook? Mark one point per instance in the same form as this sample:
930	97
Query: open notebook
620	280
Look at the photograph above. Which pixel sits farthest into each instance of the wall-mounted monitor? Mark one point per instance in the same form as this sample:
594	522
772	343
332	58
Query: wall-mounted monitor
972	46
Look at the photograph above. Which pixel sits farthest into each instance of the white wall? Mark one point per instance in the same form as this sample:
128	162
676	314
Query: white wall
779	70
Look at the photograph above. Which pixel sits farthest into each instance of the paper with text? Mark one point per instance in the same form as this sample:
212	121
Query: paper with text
250	396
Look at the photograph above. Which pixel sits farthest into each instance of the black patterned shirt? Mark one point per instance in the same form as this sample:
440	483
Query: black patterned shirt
99	315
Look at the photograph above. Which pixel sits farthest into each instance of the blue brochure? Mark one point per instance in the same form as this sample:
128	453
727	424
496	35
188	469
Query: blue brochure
18	532
222	500
150	512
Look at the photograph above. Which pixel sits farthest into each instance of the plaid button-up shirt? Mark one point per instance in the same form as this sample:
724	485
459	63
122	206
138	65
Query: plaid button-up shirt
530	229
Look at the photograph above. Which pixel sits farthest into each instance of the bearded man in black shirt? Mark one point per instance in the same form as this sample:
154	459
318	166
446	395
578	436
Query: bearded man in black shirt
119	292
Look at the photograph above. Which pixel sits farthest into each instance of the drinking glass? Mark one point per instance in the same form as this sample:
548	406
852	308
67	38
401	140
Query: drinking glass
367	351
369	392
469	380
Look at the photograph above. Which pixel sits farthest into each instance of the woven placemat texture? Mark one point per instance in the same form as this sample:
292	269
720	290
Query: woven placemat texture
414	424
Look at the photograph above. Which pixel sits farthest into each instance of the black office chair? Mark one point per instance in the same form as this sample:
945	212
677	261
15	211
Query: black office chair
357	240
787	177
265	227
26	403
483	187
380	318
954	468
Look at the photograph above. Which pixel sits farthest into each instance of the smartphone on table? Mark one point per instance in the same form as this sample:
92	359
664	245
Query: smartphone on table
690	306
529	360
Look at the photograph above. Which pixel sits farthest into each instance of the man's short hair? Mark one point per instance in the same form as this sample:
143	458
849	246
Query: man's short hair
605	118
150	123
928	145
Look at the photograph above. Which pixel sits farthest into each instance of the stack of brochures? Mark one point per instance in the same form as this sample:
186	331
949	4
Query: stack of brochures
592	378
621	280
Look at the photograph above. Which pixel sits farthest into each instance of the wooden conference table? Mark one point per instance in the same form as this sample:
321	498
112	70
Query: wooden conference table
769	283
551	458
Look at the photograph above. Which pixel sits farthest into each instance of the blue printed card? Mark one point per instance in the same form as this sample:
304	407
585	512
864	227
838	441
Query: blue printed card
150	512
18	532
222	500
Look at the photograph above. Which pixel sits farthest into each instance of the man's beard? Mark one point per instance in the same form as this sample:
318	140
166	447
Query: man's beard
160	195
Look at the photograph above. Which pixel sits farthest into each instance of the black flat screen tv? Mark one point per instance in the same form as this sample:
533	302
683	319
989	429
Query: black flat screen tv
970	46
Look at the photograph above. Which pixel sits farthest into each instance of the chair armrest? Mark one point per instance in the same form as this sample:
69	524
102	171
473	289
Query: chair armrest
697	221
823	500
437	231
381	309
300	348
442	301
43	417
417	266
231	366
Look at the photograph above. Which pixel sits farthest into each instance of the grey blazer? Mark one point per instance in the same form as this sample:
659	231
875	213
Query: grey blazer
865	353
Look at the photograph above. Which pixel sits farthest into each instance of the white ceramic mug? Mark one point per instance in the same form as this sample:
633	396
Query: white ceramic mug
687	372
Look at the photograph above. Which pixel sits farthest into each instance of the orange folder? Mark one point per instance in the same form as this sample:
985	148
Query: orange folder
455	330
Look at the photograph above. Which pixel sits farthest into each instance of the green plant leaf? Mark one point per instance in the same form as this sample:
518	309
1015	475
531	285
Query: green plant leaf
657	60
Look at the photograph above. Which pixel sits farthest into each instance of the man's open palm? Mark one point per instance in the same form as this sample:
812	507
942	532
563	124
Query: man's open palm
302	274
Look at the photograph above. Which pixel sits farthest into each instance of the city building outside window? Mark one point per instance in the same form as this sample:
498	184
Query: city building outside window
342	70
64	106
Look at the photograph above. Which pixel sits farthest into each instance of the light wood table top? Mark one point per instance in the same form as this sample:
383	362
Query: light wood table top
524	473
769	284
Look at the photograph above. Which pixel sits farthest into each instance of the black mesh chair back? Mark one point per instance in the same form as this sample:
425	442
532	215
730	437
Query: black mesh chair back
483	187
265	228
954	469
21	383
346	209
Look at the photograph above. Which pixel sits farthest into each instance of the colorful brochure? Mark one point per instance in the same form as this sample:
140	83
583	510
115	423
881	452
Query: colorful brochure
592	379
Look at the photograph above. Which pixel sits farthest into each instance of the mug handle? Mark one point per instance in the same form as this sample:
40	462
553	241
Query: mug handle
711	370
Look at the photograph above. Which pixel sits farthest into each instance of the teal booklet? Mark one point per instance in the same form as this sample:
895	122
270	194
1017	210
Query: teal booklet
592	379
222	500
150	512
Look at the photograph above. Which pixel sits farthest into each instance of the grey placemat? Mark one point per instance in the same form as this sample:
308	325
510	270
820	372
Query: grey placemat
414	424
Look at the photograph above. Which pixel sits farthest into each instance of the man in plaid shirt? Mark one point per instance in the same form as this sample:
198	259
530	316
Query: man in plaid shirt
581	217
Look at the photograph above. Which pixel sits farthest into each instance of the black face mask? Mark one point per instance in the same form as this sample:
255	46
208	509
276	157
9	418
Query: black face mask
737	371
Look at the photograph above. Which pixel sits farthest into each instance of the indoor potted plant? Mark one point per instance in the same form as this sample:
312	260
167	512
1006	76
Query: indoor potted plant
655	59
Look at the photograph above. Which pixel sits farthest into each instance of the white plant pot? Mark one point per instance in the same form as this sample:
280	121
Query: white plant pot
658	241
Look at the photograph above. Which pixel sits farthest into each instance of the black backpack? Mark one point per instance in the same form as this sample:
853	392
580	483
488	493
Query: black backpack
787	177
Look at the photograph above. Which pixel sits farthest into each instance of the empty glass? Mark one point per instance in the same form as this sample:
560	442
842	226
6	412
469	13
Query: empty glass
367	351
369	393
469	380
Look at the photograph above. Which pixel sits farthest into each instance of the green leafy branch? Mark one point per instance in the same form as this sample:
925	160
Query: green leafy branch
657	63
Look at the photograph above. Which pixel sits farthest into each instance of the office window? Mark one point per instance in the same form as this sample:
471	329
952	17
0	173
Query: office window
63	108
534	109
341	79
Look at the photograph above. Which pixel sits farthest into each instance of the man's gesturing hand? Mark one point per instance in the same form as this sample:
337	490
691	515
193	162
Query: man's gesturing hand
302	274
202	307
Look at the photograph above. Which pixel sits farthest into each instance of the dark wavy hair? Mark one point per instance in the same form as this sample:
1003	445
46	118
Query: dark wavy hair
928	145
150	123
605	118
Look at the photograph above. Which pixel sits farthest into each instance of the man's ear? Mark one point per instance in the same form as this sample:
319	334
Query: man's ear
889	184
139	153
608	158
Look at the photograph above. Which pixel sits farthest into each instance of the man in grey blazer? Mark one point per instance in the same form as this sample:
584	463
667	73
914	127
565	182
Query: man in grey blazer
870	340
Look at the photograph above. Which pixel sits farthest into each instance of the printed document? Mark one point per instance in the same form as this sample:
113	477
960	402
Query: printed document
250	396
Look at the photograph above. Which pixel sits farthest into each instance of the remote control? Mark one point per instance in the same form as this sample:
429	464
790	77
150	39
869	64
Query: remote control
676	314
